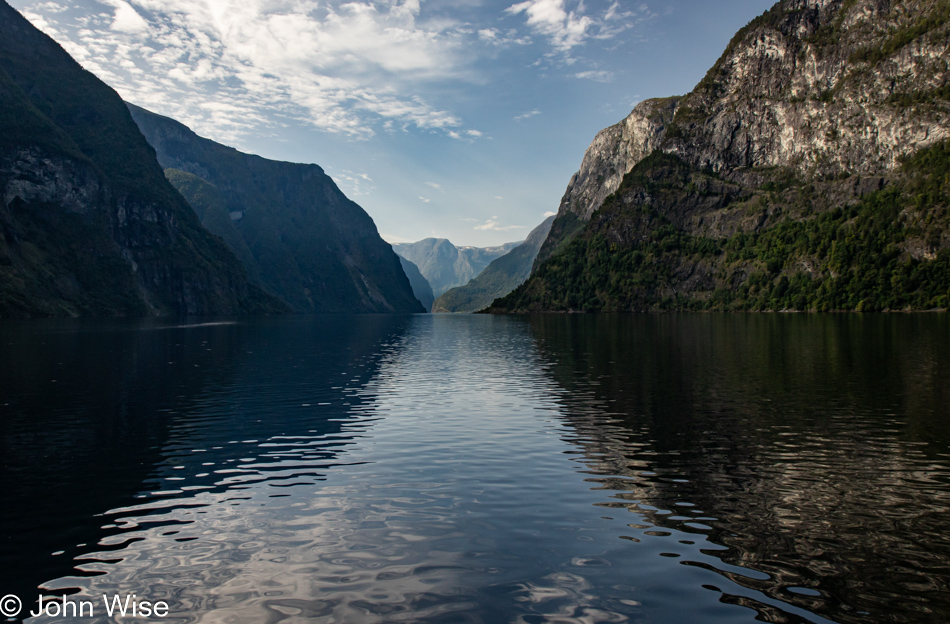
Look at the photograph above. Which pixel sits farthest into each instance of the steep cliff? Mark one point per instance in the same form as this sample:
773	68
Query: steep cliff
804	172
612	153
420	285
90	225
446	266
499	278
298	233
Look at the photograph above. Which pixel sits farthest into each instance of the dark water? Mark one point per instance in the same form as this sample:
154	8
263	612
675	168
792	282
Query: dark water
680	469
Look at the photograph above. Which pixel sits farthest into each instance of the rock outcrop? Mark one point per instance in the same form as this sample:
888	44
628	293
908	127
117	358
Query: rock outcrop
612	153
822	120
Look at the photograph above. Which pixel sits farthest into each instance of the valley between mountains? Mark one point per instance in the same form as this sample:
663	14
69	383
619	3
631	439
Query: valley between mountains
807	171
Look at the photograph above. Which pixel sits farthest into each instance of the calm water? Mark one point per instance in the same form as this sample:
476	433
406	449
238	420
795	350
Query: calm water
680	469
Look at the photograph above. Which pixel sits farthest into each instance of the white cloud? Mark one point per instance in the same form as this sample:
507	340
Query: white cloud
488	34
493	225
473	133
437	187
549	18
425	200
566	30
598	76
225	67
352	183
549	214
51	7
527	115
495	37
127	19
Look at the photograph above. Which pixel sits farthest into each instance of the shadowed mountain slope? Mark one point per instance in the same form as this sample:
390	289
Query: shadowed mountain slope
446	266
420	286
90	225
502	276
307	243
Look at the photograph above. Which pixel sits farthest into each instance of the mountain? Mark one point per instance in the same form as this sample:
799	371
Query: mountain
420	285
292	227
502	276
807	171
90	225
446	266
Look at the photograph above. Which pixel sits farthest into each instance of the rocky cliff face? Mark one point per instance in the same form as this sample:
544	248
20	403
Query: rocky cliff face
822	123
822	86
819	87
297	232
613	152
90	226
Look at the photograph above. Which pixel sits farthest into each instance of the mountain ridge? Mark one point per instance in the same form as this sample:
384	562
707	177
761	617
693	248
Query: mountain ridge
446	266
815	107
499	278
294	229
90	225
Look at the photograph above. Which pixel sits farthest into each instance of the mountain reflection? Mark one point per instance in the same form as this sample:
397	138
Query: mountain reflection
813	448
104	417
483	469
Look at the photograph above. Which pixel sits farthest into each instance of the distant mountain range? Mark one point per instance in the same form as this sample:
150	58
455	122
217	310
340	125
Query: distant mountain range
806	171
294	230
90	225
446	266
502	276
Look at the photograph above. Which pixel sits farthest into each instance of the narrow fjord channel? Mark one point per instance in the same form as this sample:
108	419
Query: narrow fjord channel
645	468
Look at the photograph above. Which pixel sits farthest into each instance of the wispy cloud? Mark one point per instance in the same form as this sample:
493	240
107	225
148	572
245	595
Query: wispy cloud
549	18
493	225
497	37
424	200
597	76
567	29
549	214
345	67
434	185
527	115
352	183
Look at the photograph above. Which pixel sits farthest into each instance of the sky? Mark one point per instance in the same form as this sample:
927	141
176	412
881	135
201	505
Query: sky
458	119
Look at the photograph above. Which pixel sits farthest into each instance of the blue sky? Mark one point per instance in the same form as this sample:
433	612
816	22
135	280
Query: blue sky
460	119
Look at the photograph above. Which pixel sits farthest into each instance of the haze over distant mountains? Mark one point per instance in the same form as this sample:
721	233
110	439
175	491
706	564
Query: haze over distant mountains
446	266
499	278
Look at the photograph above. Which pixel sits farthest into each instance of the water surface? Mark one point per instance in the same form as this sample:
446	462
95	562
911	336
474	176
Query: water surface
677	468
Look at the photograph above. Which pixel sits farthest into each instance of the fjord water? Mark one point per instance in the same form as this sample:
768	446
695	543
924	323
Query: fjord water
679	468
